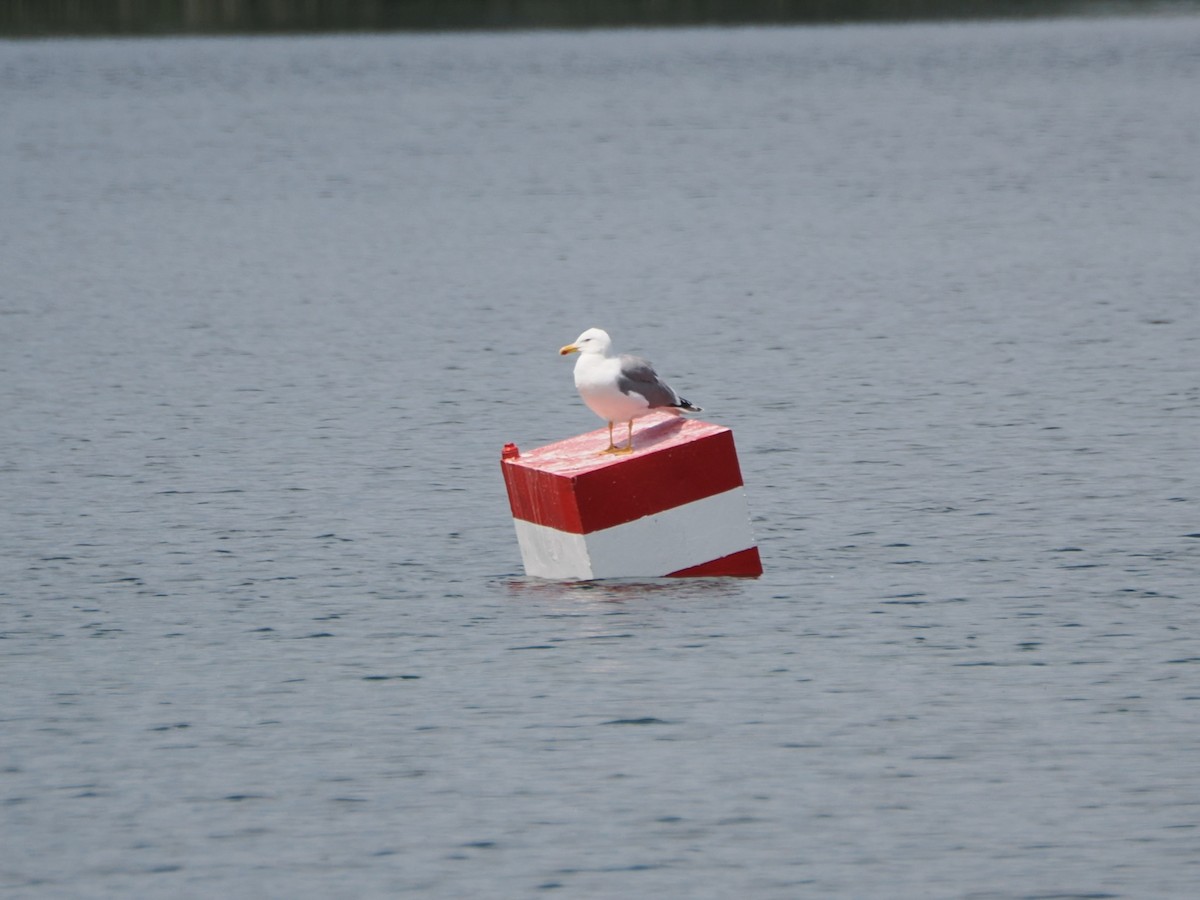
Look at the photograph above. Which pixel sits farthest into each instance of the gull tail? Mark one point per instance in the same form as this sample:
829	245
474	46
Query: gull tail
687	405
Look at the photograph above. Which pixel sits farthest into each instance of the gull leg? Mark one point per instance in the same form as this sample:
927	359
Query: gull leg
628	448
612	448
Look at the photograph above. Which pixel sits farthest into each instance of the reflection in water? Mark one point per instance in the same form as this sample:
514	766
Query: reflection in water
250	16
620	590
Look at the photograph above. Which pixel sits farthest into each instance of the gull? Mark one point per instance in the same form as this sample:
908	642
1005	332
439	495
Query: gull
619	388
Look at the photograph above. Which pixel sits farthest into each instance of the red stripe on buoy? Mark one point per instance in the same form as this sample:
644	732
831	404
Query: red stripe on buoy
540	498
744	564
568	485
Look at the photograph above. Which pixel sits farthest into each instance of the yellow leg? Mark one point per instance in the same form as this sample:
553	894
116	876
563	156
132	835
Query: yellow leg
612	448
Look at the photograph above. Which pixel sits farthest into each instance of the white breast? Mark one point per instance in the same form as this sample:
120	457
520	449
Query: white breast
596	380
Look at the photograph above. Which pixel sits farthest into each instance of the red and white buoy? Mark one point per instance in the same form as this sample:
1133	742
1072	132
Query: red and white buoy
676	506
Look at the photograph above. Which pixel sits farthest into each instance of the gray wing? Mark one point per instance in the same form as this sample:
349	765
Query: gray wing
638	375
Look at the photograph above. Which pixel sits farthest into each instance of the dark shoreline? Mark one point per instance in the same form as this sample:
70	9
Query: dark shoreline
53	18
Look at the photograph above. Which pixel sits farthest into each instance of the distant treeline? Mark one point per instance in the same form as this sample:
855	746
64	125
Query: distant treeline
82	17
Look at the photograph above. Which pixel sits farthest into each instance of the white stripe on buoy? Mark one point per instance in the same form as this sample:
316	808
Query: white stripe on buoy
676	506
655	545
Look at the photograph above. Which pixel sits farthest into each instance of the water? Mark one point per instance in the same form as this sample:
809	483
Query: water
270	308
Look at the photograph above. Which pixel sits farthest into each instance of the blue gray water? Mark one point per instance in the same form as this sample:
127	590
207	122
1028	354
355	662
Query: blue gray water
269	308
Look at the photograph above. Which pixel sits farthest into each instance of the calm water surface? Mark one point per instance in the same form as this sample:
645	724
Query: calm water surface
269	309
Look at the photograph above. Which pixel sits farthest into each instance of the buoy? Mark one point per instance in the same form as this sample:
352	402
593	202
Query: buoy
675	507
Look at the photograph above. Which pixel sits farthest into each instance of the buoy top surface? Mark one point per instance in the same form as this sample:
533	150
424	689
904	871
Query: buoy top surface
652	434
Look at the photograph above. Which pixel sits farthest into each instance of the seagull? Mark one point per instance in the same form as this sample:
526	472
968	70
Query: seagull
619	388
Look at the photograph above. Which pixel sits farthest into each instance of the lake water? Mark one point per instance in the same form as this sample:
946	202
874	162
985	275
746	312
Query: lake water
269	308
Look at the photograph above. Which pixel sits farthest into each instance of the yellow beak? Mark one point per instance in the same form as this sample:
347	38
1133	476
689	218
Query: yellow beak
567	350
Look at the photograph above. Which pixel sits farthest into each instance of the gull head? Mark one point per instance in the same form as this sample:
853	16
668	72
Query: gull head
594	340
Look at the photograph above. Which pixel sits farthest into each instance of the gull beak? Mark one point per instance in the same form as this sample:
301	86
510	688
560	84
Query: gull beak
568	350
